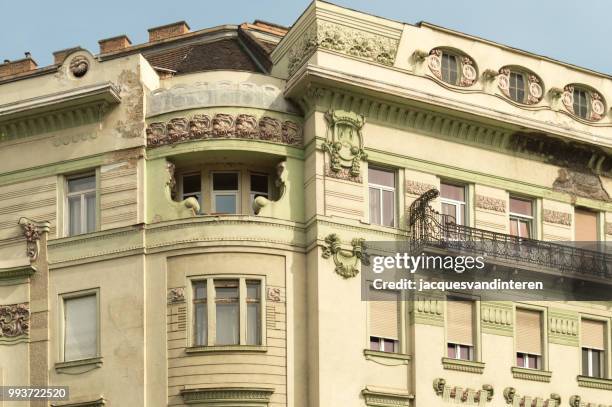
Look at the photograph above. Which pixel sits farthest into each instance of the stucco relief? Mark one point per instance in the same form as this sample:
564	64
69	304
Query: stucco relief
534	87
490	203
32	232
560	218
221	93
223	125
460	395
345	143
345	40
597	107
273	294
576	401
417	188
176	295
580	184
79	66
346	261
14	321
467	72
515	400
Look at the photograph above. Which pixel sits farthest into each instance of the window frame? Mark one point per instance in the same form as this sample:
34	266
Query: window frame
66	201
211	311
382	188
543	358
605	359
62	298
457	204
587	101
236	193
253	193
458	73
401	347
525	88
475	350
530	220
182	192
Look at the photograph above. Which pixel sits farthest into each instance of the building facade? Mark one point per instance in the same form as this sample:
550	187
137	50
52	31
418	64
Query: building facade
183	222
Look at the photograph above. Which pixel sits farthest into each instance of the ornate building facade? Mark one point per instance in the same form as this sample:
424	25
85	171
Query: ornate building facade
184	221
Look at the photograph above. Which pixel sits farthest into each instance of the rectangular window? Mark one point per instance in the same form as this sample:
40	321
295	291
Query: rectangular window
460	329
80	327
191	187
521	217
517	87
452	198
81	204
593	339
449	68
383	307
226	192
581	107
529	338
382	196
585	225
253	304
259	187
200	299
227	304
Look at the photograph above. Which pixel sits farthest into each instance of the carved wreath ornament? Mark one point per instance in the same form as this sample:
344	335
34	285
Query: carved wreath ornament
14	321
346	261
345	143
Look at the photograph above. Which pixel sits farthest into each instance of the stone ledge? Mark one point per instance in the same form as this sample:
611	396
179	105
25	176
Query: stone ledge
78	366
531	374
99	402
402	358
469	366
594	382
386	397
227	396
194	350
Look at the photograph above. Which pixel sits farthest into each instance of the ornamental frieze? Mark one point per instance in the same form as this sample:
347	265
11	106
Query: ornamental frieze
490	203
344	40
346	261
14	321
515	400
417	188
560	218
345	142
465	396
222	125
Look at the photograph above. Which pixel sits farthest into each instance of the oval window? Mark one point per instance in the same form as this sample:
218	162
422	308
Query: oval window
584	102
520	85
452	67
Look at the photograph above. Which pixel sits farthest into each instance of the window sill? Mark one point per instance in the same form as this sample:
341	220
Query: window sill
469	366
531	374
194	350
594	382
380	357
78	366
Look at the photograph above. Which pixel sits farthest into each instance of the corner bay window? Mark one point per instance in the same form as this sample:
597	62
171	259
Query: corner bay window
593	347
80	327
382	196
521	217
452	198
81	204
235	305
529	339
460	329
226	194
383	310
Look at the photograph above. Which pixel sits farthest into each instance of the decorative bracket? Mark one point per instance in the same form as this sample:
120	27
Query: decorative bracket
345	144
32	232
515	400
346	261
463	395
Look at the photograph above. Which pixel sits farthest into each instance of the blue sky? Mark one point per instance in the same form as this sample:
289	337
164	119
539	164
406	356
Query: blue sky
577	32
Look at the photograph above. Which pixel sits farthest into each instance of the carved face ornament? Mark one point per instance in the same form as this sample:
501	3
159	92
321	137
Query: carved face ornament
79	66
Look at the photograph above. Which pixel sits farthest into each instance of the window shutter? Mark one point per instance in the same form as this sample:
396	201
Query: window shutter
460	325
593	334
529	331
586	226
384	314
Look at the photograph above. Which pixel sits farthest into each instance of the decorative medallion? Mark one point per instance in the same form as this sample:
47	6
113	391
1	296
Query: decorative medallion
79	66
14	321
176	295
345	142
490	204
594	99
346	261
222	125
467	71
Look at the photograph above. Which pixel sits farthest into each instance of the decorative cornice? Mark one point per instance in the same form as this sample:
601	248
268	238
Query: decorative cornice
561	218
460	395
16	272
227	396
428	311
375	397
594	383
490	203
32	231
343	40
563	327
417	188
223	125
176	295
531	374
468	366
346	261
497	318
14	322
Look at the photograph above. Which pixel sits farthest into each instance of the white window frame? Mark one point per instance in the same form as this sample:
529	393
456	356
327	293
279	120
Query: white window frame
382	188
381	344
520	217
215	193
211	310
83	195
183	194
471	353
62	298
526	360
460	207
602	362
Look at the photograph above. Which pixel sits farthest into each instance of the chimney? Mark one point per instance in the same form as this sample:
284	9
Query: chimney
9	68
60	56
114	44
168	31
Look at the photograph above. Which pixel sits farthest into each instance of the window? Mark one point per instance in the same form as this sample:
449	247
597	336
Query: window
453	202
383	308
80	327
581	106
259	187
517	87
593	339
529	339
235	304
382	196
460	329
226	192
191	187
81	204
585	225
521	217
450	68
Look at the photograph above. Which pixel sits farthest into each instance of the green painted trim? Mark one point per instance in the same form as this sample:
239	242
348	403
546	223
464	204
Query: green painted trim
16	272
531	374
594	383
497	318
194	350
386	355
563	327
428	311
468	366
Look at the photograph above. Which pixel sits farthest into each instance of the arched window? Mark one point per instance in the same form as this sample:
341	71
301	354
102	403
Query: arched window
520	85
452	67
584	102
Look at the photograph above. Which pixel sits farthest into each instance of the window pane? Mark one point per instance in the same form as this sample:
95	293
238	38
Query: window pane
81	328
381	177
191	184
227	324
452	351
514	227
201	324
375	206
200	290
253	324
520	360
226	290
388	208
225	204
374	343
225	181
454	192
389	345
520	206
464	352
585	362
597	366
525	229
74	214
259	183
82	184
90	215
253	290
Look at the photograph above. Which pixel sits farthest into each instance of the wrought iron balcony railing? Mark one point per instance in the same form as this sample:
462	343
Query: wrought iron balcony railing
430	228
